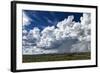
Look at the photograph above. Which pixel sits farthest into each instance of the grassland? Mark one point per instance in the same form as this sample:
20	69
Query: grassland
56	57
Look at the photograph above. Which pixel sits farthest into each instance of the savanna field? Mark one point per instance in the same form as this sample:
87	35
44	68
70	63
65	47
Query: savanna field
56	57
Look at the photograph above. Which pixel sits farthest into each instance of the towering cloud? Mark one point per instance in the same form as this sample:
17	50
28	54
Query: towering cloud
66	37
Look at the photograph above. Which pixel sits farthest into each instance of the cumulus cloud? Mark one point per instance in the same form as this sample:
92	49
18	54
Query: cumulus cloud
66	37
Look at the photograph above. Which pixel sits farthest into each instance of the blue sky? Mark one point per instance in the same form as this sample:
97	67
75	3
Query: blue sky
50	32
42	19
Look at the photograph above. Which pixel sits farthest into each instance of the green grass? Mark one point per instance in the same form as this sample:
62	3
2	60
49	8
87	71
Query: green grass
56	57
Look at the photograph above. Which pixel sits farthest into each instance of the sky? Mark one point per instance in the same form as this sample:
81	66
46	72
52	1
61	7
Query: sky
47	32
42	19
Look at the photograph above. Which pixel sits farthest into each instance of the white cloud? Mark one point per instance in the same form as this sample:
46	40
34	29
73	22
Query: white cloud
47	38
86	19
67	37
36	33
33	36
26	20
24	32
35	50
65	23
85	47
